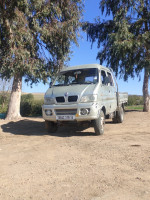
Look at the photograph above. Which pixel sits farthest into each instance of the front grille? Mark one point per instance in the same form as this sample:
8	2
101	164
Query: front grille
66	111
60	99
72	98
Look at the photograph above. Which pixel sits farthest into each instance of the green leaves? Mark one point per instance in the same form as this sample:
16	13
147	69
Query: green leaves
124	39
35	36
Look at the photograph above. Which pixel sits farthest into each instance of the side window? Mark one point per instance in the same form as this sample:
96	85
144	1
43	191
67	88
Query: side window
110	79
103	77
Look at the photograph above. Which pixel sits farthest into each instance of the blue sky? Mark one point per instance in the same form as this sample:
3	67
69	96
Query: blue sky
85	55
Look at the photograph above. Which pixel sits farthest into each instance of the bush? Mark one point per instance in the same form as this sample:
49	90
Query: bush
27	97
26	104
4	99
37	108
26	108
135	100
3	109
29	106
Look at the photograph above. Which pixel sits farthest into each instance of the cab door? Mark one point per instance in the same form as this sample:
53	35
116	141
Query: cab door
112	92
104	91
108	92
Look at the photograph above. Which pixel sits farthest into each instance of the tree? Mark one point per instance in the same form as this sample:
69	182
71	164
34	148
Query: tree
35	39
124	38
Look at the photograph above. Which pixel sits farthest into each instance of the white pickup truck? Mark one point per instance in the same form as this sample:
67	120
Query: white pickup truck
85	93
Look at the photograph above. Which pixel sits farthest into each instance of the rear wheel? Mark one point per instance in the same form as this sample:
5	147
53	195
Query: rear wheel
119	116
51	127
99	124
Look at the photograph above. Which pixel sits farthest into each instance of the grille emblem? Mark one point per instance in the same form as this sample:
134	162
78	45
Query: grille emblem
66	94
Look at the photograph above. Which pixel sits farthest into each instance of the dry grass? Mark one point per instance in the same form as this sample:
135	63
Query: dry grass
37	96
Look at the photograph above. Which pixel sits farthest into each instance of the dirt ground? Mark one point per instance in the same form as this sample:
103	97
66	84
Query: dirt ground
75	165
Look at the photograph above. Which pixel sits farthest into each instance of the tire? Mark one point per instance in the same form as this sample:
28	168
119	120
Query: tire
51	127
119	116
115	119
99	124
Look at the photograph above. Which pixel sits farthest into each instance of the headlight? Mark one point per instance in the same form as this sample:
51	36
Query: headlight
49	100
89	98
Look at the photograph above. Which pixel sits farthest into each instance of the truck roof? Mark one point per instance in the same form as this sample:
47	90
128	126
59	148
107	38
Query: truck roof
85	66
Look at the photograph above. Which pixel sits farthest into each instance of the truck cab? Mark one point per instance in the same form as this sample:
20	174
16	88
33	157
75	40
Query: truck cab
85	93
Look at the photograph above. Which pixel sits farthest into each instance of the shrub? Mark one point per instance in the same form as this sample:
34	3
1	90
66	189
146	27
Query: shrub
4	98
29	106
27	97
37	108
26	108
3	109
135	100
26	104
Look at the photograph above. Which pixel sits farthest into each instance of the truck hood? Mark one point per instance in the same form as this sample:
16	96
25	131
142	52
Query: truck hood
79	90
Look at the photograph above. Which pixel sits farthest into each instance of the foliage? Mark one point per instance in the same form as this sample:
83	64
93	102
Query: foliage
35	36
124	37
25	108
3	109
4	98
135	100
29	106
37	108
5	88
35	40
27	97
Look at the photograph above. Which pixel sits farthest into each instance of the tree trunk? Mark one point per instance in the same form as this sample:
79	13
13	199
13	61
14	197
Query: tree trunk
145	91
14	103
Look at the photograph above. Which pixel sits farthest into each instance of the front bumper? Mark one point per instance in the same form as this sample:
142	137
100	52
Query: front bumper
93	114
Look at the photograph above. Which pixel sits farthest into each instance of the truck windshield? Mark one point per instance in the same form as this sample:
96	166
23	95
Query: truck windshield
79	76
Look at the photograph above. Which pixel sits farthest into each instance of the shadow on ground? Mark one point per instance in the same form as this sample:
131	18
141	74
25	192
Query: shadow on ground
37	128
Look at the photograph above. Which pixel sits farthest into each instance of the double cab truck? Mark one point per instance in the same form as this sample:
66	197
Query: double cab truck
84	94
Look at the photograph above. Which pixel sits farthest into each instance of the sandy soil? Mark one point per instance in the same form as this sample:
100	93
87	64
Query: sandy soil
75	165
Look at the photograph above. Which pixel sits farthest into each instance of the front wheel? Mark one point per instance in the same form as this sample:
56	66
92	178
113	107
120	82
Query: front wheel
99	124
51	127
